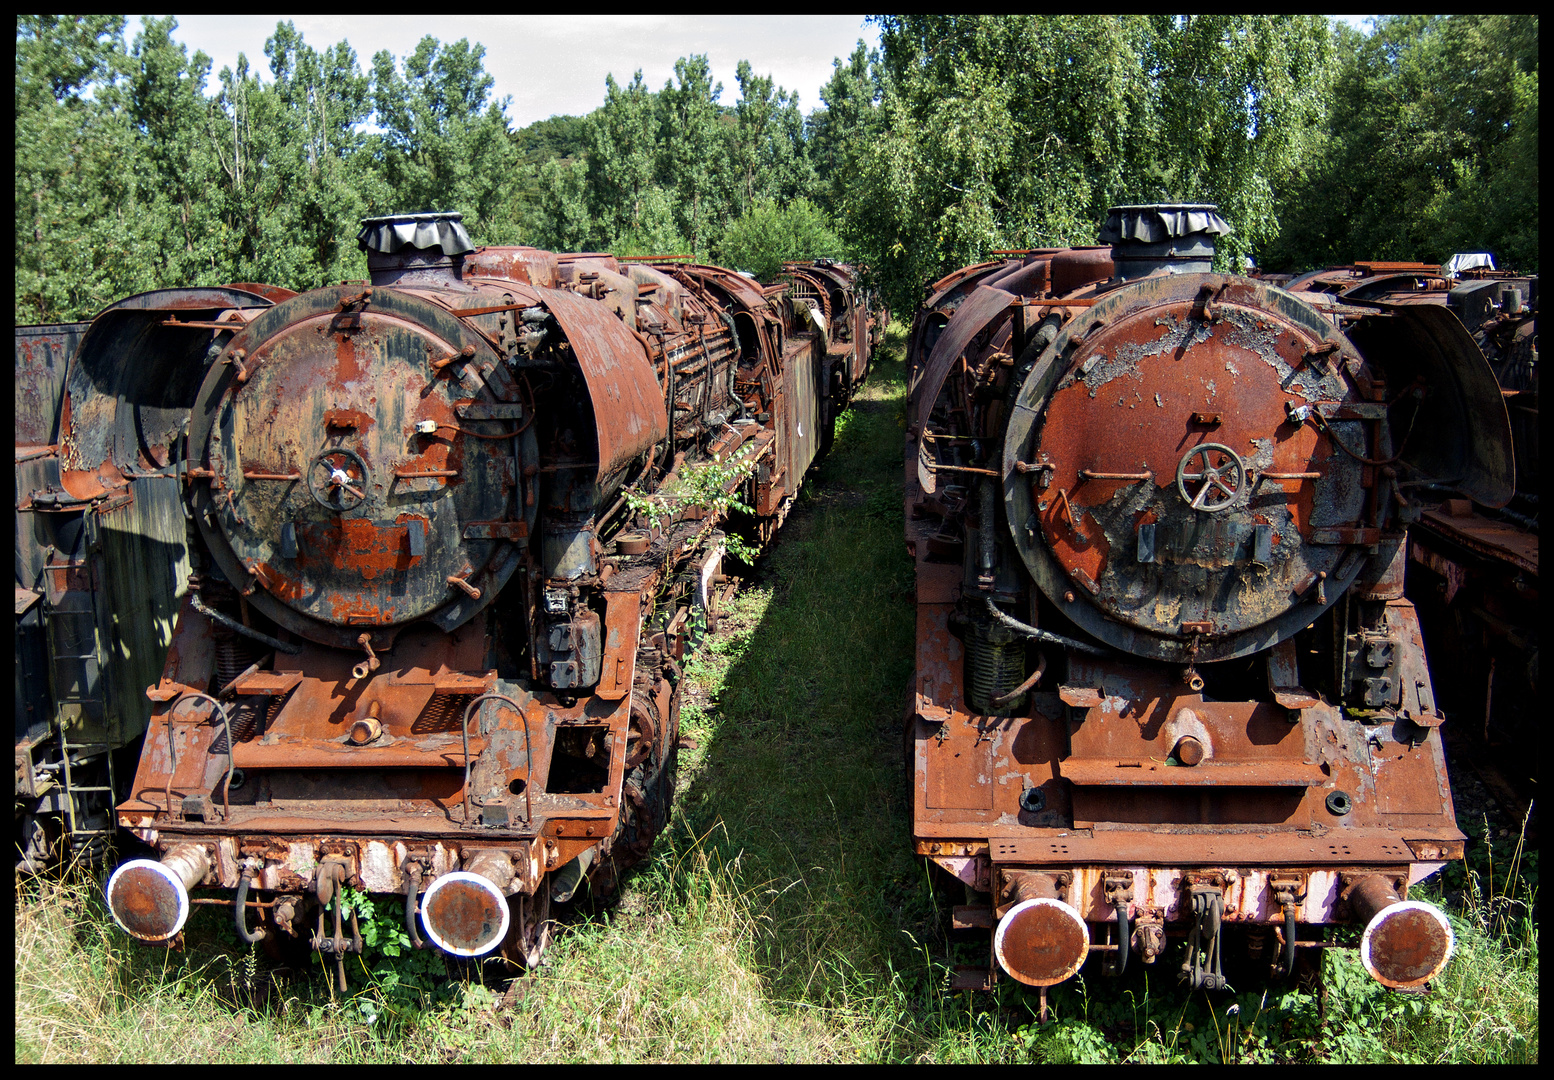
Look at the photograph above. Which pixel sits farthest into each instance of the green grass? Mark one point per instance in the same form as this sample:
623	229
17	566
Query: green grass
781	917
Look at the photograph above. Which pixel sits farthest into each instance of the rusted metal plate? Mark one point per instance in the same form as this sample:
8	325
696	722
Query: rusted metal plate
1110	772
1041	942
628	401
268	683
430	751
1200	846
1407	945
1493	539
42	356
1469	444
1152	366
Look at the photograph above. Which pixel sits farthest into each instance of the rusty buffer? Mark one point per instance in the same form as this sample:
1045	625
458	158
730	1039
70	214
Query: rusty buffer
1169	696
445	546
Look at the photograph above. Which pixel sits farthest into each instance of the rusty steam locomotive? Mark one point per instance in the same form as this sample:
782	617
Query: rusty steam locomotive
446	535
1167	683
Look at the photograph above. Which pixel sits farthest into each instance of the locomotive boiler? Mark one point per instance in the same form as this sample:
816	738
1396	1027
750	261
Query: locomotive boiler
446	534
1167	685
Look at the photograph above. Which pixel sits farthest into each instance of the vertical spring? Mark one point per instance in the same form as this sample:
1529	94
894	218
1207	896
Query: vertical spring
234	654
995	665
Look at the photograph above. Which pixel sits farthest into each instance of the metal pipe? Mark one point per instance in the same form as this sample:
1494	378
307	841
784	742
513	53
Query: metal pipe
247	631
1041	635
1289	941
1014	695
240	909
985	540
1123	936
412	894
1041	940
1406	943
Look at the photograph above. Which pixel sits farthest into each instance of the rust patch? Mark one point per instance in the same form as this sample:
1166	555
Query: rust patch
348	420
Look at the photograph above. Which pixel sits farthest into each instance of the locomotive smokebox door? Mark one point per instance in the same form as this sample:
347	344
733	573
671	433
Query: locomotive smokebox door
1190	455
362	471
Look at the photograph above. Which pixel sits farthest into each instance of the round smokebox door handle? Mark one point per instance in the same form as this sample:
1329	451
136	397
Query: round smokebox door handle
338	479
1218	484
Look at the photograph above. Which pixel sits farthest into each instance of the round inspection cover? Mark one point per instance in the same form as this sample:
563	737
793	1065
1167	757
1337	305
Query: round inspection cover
1406	945
147	900
1155	480
345	480
1041	942
465	914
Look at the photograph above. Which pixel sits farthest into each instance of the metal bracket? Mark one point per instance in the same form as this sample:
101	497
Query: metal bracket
1202	966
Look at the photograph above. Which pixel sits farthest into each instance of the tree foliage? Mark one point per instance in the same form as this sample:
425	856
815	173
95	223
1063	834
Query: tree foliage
1020	131
667	172
137	167
770	234
130	177
1430	147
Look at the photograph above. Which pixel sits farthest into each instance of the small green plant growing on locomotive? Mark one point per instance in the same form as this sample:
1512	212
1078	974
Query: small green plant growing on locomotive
400	982
711	487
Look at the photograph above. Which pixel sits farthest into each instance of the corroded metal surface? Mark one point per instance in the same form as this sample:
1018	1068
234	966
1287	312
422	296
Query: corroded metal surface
147	901
465	914
1174	511
42	354
413	655
1041	942
628	402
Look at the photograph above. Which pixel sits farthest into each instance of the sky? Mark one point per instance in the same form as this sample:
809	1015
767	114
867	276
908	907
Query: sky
556	64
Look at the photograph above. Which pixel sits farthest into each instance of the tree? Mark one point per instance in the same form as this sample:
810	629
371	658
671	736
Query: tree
1020	131
1430	146
692	158
623	161
74	154
768	235
444	143
838	132
768	149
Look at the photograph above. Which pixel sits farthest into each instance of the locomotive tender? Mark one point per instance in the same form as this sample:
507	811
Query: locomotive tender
446	537
1167	684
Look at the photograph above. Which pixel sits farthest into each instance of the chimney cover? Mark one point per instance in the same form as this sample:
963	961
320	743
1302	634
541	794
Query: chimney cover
426	232
1158	222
